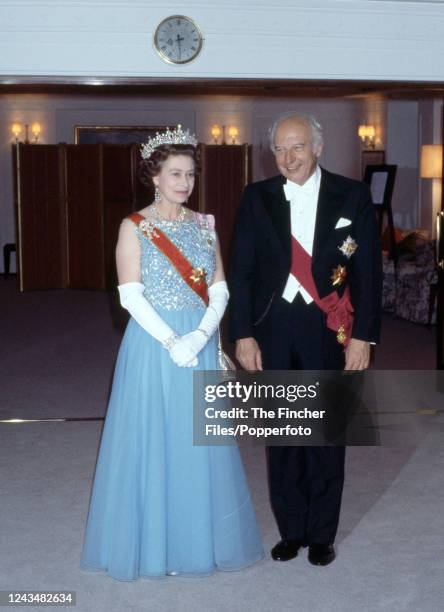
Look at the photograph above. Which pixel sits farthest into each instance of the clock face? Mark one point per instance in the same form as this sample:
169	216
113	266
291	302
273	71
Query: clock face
178	39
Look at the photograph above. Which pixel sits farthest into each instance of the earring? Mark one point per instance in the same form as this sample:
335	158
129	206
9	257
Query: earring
157	196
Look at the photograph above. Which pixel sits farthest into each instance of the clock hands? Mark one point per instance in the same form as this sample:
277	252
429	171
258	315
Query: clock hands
179	39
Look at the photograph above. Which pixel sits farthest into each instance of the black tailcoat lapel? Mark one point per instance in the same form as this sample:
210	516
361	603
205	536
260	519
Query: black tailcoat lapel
329	203
278	210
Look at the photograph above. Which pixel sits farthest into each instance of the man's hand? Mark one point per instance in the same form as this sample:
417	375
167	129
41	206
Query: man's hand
357	355
248	354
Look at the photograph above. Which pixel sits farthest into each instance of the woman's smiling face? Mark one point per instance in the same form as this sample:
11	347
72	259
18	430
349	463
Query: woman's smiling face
175	180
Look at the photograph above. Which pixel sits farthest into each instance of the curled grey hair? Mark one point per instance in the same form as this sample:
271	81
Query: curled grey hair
310	120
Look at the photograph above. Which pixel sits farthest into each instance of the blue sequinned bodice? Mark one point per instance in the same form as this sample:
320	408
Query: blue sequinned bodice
164	287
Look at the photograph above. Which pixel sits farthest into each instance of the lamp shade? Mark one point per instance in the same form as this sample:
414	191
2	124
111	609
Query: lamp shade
233	132
431	161
216	131
16	129
366	131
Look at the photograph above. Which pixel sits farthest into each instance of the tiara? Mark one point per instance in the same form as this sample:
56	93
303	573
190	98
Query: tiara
177	136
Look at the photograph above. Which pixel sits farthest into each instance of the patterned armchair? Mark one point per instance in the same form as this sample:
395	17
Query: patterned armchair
411	293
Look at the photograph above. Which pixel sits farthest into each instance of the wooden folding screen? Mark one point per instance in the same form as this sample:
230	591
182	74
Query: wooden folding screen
70	200
119	200
85	216
226	169
40	216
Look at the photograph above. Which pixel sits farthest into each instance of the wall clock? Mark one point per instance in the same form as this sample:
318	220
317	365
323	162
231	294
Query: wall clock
178	39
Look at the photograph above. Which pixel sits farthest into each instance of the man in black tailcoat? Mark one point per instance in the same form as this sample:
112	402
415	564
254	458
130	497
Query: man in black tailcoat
287	314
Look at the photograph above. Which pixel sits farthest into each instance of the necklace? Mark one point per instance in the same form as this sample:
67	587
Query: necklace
180	216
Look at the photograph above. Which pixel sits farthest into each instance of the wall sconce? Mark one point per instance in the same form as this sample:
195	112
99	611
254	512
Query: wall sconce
367	134
431	168
233	132
16	129
216	132
36	129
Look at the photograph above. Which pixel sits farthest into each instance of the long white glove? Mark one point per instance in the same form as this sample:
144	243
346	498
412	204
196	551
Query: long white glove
193	342
132	298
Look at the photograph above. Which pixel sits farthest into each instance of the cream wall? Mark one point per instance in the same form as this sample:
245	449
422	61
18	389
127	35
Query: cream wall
430	131
402	150
316	39
59	114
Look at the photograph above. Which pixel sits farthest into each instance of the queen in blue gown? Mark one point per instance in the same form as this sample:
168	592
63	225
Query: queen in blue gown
159	505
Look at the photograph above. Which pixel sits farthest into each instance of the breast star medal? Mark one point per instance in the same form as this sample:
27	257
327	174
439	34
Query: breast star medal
197	275
341	336
348	247
338	276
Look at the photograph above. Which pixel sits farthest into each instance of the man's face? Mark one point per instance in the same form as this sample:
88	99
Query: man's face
296	155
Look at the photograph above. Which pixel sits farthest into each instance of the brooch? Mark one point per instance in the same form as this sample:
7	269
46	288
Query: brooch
338	276
348	247
197	275
205	224
208	237
148	228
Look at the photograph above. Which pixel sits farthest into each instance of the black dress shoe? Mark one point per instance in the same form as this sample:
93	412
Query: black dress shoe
321	554
285	550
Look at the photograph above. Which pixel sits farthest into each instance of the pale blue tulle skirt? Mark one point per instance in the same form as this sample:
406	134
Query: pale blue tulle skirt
160	505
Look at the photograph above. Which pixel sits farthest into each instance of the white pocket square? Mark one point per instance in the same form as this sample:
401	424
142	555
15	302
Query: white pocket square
343	222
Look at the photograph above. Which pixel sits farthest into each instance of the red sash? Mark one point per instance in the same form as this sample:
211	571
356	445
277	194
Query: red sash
339	310
194	277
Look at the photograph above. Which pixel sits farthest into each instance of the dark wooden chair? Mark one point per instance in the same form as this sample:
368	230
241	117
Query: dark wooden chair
8	248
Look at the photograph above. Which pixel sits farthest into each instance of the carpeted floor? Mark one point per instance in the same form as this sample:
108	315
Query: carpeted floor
57	351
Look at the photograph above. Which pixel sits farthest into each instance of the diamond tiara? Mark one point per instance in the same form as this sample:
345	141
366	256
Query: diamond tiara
177	136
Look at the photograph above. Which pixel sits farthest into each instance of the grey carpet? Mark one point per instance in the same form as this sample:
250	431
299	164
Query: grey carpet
54	345
389	543
57	352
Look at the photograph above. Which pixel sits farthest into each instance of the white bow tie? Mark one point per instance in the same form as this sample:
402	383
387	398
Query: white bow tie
293	190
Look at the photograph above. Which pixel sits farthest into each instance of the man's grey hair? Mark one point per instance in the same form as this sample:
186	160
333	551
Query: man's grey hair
310	120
